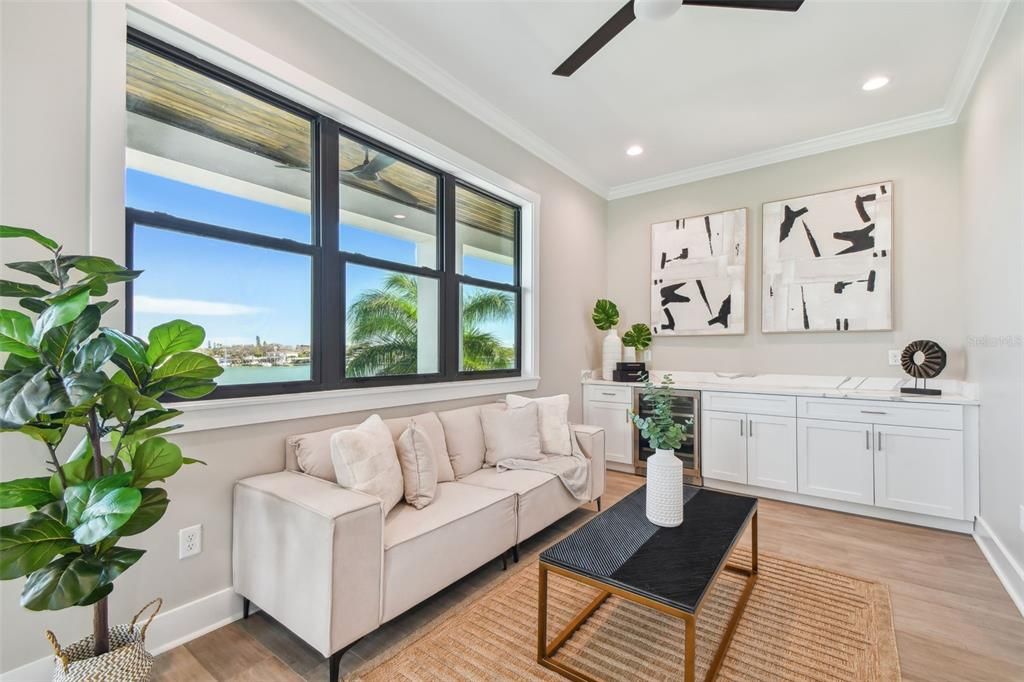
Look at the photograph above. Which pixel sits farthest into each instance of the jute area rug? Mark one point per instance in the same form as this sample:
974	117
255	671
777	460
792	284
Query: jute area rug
801	623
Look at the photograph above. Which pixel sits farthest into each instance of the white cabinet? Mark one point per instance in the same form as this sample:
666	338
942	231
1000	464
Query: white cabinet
724	446
919	470
618	432
771	444
753	449
835	459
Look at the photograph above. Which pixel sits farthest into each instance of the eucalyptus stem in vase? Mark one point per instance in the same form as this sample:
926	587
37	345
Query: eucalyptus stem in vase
665	436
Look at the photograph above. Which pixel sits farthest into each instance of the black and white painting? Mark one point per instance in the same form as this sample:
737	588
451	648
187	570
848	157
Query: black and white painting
698	274
827	261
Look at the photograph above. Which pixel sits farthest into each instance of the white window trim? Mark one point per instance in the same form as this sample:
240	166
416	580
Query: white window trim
177	26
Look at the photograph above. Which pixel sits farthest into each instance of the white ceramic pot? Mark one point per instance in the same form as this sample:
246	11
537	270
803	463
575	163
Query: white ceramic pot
647	357
664	488
611	352
628	354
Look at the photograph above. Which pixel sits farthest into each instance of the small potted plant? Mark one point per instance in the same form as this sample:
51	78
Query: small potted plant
606	317
54	386
637	339
664	469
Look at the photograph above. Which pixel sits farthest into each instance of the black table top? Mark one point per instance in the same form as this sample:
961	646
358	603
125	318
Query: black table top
674	566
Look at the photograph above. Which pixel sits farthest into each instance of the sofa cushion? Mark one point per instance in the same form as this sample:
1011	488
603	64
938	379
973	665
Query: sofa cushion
427	549
365	460
553	418
419	470
465	438
310	453
429	422
541	499
511	434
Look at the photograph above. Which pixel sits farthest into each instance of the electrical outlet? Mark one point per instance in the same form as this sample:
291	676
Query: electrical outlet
190	541
894	358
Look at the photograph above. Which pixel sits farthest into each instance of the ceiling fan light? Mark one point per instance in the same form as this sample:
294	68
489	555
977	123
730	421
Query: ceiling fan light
655	10
635	150
875	83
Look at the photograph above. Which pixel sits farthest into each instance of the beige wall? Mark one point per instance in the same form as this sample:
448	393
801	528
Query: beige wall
927	285
993	220
44	172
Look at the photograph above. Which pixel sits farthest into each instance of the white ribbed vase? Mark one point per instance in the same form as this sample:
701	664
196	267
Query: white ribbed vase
628	354
664	488
611	352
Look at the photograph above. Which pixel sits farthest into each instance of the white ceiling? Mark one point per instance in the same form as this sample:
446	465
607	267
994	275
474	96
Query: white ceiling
705	92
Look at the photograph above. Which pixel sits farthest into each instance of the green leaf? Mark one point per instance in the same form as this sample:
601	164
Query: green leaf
31	544
60	341
152	418
94	354
16	334
173	337
61	311
22	397
83	387
121	401
129	355
63	583
183	388
605	315
19	289
25	492
155	460
97	508
192	460
188	365
82	451
75	472
34	305
115	561
7	231
638	336
44	434
99	593
43	269
154	504
92	264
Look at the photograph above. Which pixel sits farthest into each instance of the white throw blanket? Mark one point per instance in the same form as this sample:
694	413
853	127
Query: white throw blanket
571	470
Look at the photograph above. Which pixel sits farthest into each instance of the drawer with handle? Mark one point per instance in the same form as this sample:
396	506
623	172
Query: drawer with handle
609	394
749	403
894	413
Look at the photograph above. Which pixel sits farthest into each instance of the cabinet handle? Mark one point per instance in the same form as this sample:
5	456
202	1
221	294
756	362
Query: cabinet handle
750	427
879	441
608	394
741	427
867	440
872	412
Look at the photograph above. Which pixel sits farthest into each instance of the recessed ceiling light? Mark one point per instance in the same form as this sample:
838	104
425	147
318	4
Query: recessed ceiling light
875	83
399	216
635	150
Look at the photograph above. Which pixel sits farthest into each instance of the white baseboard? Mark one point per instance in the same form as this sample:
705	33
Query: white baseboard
169	629
1009	572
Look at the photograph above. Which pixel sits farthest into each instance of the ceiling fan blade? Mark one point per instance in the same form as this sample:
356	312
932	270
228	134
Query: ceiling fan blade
777	5
601	37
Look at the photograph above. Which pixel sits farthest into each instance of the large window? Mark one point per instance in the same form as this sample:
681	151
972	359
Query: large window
314	257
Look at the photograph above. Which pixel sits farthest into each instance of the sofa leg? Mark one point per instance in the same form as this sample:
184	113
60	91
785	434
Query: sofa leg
335	662
599	504
245	607
504	561
515	553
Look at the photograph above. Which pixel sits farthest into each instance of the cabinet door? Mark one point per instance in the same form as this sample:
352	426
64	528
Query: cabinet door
724	446
920	470
614	419
771	452
836	460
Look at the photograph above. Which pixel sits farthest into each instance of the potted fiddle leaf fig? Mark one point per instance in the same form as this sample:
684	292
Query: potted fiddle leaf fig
638	339
67	379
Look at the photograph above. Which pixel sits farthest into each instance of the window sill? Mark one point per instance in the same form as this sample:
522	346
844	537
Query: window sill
228	412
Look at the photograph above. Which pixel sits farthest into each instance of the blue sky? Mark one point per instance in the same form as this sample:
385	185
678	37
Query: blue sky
238	292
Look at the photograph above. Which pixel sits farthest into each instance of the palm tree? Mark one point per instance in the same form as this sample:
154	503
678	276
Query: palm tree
382	330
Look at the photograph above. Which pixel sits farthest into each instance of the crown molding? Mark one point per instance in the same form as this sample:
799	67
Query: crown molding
375	37
353	22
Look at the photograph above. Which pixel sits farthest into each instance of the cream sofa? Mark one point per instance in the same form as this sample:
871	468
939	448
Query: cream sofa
327	564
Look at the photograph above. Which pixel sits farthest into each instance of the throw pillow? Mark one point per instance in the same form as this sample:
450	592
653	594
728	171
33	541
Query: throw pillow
511	434
465	439
555	431
365	460
419	469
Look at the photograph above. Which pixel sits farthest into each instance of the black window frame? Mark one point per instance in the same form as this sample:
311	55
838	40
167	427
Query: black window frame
329	261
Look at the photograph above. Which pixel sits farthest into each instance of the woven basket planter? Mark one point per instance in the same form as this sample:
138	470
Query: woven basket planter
127	660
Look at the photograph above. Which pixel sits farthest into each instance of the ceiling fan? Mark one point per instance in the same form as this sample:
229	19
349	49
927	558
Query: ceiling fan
655	10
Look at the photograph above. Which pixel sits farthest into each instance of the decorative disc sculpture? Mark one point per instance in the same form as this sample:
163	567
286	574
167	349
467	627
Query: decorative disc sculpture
923	360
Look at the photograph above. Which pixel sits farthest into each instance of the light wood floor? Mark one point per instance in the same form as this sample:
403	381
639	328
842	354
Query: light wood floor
954	622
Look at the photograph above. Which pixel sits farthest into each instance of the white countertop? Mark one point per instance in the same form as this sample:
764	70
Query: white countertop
862	388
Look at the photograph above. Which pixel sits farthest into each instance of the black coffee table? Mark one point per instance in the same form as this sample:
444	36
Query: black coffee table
672	570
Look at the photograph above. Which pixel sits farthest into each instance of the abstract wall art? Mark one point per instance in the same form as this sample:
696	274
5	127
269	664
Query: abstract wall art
827	261
698	274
